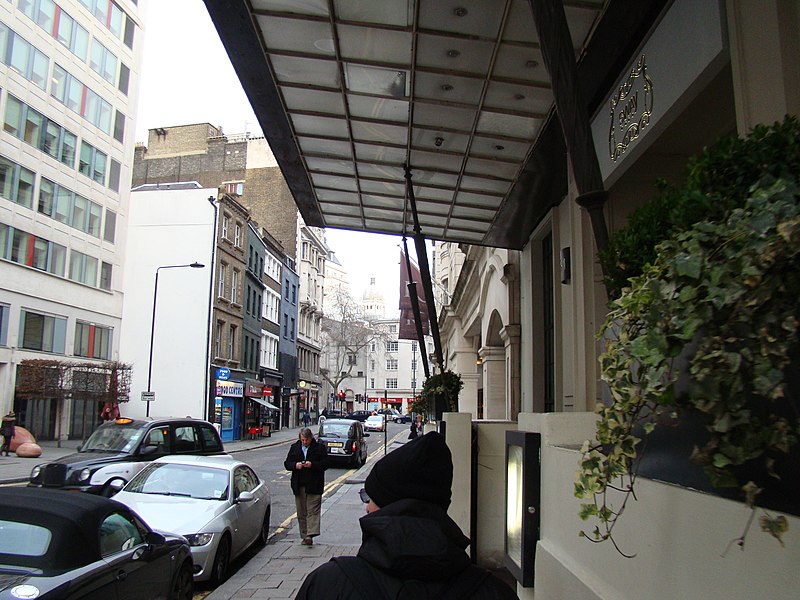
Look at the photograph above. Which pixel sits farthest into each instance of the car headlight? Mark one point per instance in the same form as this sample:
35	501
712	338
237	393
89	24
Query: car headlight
36	471
199	539
84	474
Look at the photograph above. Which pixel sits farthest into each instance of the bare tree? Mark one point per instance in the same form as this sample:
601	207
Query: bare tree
346	338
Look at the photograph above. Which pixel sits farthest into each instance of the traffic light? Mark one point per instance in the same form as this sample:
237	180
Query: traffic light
341	394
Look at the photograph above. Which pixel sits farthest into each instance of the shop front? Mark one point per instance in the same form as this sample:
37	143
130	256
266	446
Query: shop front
228	409
262	417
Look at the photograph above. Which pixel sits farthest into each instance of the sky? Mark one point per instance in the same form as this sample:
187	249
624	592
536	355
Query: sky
187	78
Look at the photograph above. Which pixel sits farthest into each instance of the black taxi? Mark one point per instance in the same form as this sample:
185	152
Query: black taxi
344	440
119	449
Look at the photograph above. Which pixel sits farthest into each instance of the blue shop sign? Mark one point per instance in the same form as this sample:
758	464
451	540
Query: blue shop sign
223	374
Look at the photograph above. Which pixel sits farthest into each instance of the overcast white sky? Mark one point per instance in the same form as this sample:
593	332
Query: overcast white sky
187	78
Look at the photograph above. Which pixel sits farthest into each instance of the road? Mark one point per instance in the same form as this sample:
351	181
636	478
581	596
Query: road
268	464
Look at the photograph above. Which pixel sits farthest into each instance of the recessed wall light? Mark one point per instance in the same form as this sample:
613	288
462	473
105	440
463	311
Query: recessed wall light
460	11
519	96
453	53
532	64
438	141
446	87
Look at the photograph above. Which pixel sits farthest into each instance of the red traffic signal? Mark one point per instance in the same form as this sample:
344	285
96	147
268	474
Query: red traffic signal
340	393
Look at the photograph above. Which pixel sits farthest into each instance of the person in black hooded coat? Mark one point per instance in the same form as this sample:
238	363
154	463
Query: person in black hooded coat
411	549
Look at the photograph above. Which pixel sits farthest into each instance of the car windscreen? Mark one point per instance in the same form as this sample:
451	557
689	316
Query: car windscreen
191	481
334	430
113	437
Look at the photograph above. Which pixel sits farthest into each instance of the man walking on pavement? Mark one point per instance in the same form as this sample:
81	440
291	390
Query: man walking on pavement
411	548
307	460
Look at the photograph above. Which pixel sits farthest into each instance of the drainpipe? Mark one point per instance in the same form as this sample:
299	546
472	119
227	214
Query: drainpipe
208	407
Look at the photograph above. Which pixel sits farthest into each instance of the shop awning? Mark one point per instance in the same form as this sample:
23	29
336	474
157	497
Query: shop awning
265	403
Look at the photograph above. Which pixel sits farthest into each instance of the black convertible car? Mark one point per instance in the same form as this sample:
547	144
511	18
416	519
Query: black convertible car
57	545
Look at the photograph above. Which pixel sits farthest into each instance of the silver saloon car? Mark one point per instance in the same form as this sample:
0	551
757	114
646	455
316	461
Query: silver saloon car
217	503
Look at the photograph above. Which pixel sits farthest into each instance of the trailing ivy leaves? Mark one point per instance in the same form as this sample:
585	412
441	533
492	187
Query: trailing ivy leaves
718	307
717	181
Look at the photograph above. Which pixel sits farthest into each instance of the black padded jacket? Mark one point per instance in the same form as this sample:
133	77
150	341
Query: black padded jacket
413	551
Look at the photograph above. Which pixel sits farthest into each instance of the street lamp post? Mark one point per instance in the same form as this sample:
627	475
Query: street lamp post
194	265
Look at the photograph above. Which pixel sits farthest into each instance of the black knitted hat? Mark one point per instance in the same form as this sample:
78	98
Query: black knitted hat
421	469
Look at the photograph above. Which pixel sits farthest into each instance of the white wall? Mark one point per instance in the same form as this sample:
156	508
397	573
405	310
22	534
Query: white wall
677	534
168	227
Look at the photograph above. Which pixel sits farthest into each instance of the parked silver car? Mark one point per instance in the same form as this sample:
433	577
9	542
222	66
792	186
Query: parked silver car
218	503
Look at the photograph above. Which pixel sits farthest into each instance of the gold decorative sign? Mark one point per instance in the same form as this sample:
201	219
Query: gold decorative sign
631	108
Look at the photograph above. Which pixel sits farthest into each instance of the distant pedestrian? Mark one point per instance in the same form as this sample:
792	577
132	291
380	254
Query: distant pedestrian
7	430
307	461
306	419
417	427
410	547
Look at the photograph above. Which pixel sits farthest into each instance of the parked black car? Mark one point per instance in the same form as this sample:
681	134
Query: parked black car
359	415
58	545
344	439
332	414
119	449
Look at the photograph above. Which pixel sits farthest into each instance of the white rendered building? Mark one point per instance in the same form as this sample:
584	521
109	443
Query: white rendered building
170	226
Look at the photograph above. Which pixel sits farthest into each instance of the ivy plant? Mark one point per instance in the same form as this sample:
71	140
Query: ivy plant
717	309
716	181
440	393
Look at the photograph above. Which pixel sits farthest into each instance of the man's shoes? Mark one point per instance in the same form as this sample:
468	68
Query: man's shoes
307	541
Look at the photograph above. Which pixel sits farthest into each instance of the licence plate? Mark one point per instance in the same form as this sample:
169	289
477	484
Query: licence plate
337	450
334	444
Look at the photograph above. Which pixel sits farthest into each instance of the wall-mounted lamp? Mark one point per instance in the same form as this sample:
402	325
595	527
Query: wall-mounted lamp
479	361
566	265
523	501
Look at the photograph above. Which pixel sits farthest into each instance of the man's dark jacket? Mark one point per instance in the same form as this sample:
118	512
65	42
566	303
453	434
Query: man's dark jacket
415	552
313	479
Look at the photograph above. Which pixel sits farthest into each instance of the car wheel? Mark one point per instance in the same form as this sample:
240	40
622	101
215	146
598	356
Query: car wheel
219	572
263	538
183	584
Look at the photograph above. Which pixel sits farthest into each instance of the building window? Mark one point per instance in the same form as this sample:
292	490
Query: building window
43	332
234	286
26	249
92	163
92	341
391	346
391	383
223	274
231	341
285	325
226	222
83	268
291	328
391	364
23	57
217	339
351	359
392	328
234	187
4	309
16	183
237	235
272	304
110	229
105	276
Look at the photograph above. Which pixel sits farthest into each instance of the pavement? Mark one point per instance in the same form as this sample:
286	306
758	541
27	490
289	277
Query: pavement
278	569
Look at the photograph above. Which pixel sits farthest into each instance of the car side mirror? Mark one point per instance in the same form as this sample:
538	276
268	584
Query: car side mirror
155	539
245	497
147	450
